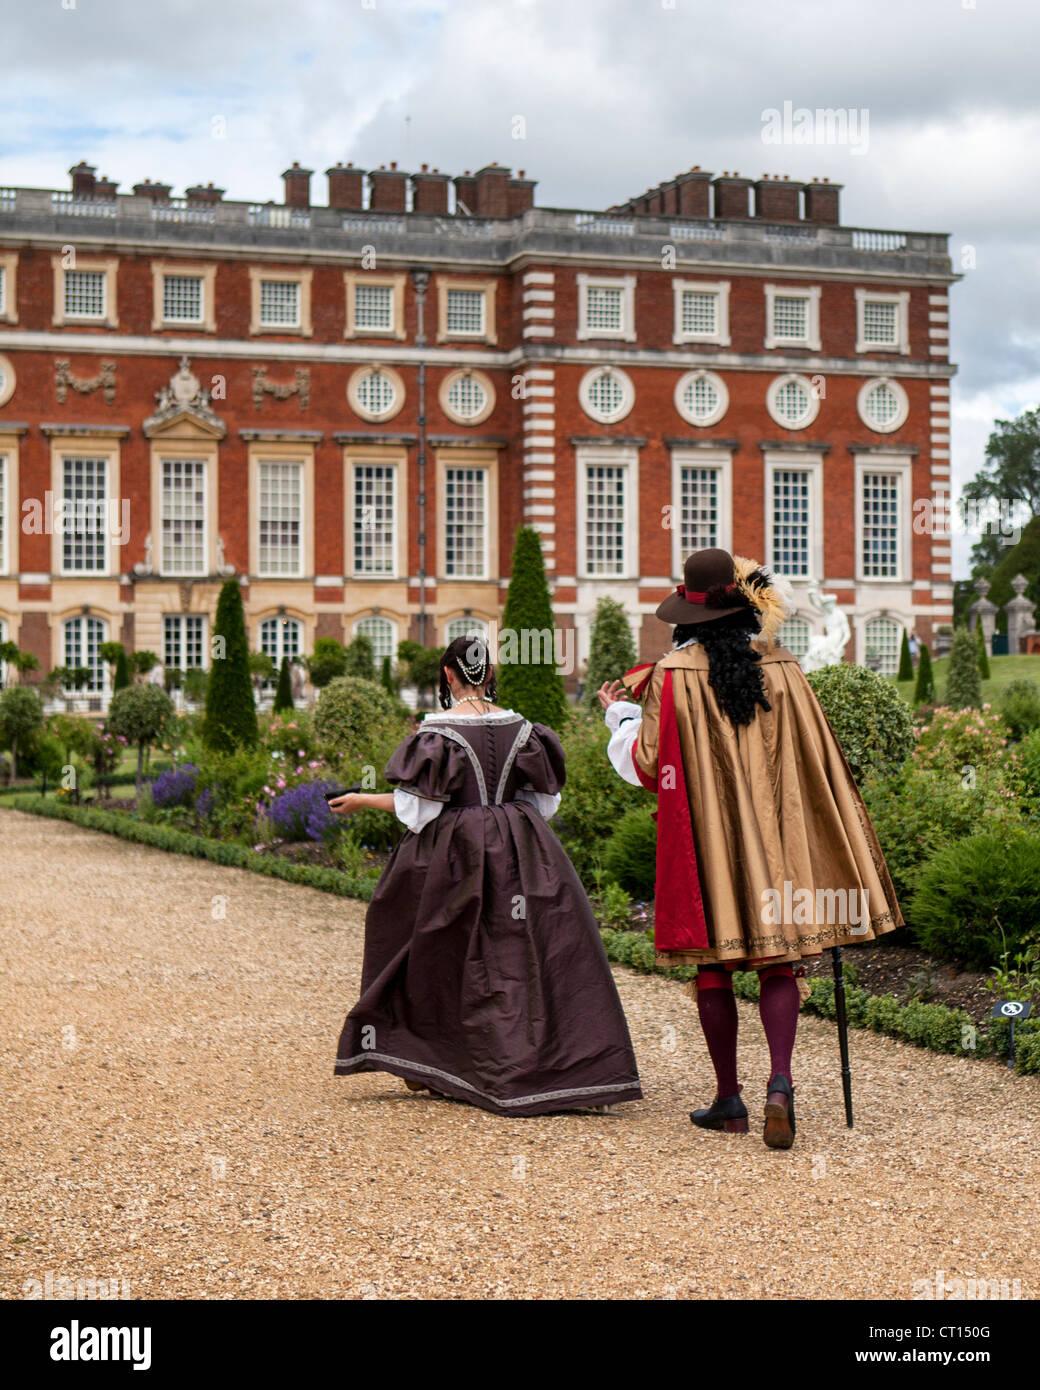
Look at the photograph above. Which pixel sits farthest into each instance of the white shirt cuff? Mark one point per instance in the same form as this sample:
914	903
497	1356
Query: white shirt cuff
415	811
617	713
545	803
622	742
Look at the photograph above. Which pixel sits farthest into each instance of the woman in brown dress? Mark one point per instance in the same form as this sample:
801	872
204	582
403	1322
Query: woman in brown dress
765	852
484	975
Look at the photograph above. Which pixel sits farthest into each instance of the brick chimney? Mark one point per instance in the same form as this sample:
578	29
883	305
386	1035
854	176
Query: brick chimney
693	192
158	192
297	186
466	191
821	202
777	199
430	191
346	187
388	189
492	191
83	180
105	188
731	196
203	196
521	194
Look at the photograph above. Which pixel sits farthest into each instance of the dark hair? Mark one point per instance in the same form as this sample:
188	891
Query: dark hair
734	673
470	659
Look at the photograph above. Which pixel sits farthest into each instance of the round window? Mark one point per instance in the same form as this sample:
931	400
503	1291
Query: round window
606	394
883	405
376	393
467	397
701	398
792	402
6	381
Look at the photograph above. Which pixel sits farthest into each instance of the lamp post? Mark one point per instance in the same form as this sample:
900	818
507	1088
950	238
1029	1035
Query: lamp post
421	281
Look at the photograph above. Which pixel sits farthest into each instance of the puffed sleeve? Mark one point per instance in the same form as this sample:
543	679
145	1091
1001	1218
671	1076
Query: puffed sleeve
428	765
540	764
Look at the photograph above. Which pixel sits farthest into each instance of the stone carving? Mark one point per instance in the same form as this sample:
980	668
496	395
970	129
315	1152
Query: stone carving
987	611
105	380
145	566
1020	614
184	395
282	390
828	647
223	568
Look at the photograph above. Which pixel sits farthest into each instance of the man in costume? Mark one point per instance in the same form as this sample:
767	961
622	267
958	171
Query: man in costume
765	852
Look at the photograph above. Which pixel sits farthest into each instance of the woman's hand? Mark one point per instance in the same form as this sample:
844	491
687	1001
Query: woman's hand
349	802
609	692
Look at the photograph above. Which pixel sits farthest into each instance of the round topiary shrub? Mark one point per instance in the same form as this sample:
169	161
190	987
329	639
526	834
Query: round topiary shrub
631	854
1020	706
871	722
980	897
358	722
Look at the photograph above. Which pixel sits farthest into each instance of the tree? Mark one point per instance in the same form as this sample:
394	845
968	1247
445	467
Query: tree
360	658
21	714
122	676
386	677
924	690
980	639
1011	473
529	682
963	683
139	714
1021	558
12	655
283	695
230	720
195	683
328	662
422	666
143	662
612	651
70	677
906	664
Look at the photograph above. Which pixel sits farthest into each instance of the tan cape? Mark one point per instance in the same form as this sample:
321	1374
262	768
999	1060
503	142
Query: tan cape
775	811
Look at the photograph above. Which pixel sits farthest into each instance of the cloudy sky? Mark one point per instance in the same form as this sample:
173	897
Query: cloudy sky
615	96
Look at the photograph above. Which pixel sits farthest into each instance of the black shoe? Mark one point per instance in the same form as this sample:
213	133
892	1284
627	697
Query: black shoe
779	1130
725	1112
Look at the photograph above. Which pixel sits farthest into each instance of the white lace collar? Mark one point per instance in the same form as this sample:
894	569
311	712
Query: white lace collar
502	716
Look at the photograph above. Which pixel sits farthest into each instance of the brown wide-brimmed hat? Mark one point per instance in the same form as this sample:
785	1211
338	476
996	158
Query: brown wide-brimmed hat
709	590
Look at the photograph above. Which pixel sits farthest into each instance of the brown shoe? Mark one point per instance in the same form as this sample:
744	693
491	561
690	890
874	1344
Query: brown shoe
779	1129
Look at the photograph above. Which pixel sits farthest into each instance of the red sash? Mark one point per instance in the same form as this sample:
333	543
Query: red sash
679	922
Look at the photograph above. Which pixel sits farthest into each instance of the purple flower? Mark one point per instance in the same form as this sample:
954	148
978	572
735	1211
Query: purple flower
302	813
176	787
204	803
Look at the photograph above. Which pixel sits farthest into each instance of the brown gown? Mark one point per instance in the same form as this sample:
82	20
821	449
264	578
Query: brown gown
777	817
484	974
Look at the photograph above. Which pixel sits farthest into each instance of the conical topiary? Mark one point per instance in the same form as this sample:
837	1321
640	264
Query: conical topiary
906	664
283	699
527	677
386	677
980	638
612	651
963	684
121	679
230	721
924	690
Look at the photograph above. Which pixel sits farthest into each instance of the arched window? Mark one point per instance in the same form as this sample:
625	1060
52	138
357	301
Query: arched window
83	637
794	635
883	637
465	627
5	674
281	637
382	633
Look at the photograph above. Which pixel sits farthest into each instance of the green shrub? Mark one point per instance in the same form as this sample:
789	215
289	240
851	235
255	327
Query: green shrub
359	724
613	906
980	642
230	720
906	664
882	1013
21	715
1020	706
594	798
630	857
139	713
870	720
921	809
528	680
963	682
924	690
956	739
1027	773
612	651
980	897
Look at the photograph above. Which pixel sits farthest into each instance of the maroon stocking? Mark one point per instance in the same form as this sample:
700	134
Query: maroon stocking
718	1013
778	1005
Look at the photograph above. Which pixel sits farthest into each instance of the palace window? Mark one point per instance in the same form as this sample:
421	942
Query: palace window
606	394
792	317
792	519
281	637
465	627
183	646
3	516
698	508
382	633
883	405
464	313
182	299
375	504
84	540
882	640
792	402
280	518
85	294
465	523
701	398
606	306
182	516
701	312
375	393
880	526
279	304
794	635
882	321
467	397
83	637
373	308
605	520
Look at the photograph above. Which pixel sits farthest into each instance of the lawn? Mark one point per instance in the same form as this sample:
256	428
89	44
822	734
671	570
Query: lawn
1003	669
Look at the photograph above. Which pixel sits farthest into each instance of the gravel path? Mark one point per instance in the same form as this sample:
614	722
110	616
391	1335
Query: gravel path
170	1118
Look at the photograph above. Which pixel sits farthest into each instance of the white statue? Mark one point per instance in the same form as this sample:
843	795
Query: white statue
827	648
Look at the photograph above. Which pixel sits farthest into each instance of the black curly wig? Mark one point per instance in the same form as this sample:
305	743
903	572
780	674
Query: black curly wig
734	673
473	651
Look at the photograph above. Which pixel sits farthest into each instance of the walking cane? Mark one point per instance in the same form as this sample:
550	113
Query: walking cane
843	1031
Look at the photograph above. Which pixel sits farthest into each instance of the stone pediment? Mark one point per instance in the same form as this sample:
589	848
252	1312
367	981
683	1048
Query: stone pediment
184	409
